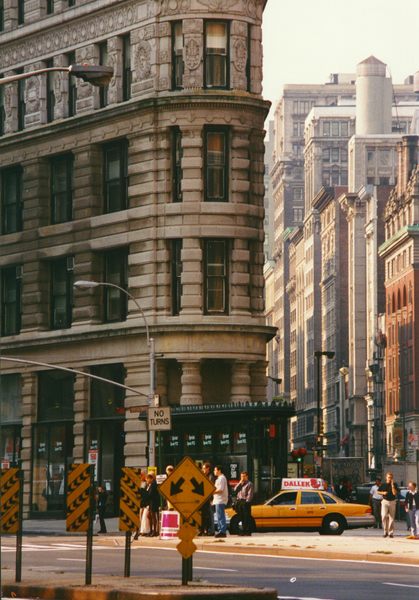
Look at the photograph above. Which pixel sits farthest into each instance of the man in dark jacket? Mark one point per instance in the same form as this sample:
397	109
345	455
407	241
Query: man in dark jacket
244	498
412	509
101	499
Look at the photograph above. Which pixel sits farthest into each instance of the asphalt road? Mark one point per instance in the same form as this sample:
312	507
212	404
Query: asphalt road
313	579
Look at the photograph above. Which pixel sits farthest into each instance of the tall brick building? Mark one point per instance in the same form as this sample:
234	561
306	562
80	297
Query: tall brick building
154	184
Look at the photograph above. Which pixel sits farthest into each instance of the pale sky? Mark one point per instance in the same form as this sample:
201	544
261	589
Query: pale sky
306	40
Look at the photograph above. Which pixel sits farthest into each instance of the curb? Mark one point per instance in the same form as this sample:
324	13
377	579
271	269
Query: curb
99	593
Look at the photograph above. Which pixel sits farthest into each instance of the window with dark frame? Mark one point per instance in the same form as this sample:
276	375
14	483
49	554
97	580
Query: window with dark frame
216	56
71	2
2	111
248	60
216	164
126	67
50	91
11	200
61	169
216	276
115	176
55	395
103	60
61	292
72	87
107	400
50	7
21	105
11	300
176	260
20	12
1	15
116	273
177	154
178	65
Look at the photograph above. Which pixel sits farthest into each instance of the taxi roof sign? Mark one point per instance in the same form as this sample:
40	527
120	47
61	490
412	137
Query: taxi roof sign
187	488
302	483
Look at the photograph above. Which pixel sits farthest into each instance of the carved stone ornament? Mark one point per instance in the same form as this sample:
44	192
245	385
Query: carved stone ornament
219	5
252	8
58	79
172	7
192	54
143	60
240	54
32	94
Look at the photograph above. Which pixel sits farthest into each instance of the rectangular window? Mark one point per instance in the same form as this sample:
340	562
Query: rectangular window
216	67
11	399
335	128
107	400
20	12
50	91
216	164
61	188
177	164
177	55
61	292
21	105
71	2
55	395
344	129
11	297
116	179
176	260
1	15
326	155
103	60
126	67
2	111
216	277
115	273
50	7
326	128
335	155
248	59
11	200
72	87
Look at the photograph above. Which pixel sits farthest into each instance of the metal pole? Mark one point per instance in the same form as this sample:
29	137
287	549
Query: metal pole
127	563
19	534
319	392
89	538
153	402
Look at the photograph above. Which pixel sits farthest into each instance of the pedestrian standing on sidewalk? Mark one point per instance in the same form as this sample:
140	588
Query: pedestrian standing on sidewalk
101	499
220	501
207	513
375	502
412	510
389	491
153	503
244	498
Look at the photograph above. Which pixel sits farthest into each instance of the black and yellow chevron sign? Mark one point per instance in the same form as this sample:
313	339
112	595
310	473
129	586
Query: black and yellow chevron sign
78	497
9	500
129	504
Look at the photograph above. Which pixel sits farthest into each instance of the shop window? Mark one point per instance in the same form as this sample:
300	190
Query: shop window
103	60
107	400
55	395
11	200
11	300
126	67
61	169
177	55
177	174
50	91
176	260
216	68
216	277
115	273
216	164
61	292
72	87
115	175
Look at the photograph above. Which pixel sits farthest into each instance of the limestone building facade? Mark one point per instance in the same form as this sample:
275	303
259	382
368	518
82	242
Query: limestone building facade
153	184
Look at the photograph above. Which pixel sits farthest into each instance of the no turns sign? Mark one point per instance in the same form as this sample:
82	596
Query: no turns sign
159	419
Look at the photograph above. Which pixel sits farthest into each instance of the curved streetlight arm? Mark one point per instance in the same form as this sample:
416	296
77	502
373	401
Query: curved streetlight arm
92	284
89	375
98	75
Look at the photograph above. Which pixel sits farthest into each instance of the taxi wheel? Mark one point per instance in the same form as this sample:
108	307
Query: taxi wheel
333	525
235	527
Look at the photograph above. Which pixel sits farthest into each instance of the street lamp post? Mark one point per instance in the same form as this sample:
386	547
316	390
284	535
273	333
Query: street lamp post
99	75
319	441
152	401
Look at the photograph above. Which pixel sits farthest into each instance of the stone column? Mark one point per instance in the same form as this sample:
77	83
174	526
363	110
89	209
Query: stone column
136	440
35	96
164	56
29	395
10	105
191	383
87	195
86	92
193	35
144	58
36	192
192	301
241	169
240	278
81	412
239	44
240	382
115	61
258	381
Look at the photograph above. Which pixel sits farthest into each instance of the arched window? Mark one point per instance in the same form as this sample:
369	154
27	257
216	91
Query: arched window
388	304
399	304
404	296
409	298
393	303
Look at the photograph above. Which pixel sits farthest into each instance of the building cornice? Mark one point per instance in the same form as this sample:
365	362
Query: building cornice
398	239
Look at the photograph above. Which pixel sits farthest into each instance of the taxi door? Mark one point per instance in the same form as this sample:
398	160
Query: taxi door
277	513
311	509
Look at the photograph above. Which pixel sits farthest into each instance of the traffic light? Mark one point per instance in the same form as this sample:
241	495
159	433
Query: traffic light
299	454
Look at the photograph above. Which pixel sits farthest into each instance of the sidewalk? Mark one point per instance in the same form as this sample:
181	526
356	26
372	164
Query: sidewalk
358	544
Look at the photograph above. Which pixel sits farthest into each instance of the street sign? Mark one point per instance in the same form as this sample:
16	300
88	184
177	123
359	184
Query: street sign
129	503
9	500
79	508
159	418
187	488
186	533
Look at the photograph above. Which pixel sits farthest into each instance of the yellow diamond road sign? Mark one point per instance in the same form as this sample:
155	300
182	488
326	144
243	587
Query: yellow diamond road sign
187	488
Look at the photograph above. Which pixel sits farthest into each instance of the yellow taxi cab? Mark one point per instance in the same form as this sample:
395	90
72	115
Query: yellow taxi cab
304	505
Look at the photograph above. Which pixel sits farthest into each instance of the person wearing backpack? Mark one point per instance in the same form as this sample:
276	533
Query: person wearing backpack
220	501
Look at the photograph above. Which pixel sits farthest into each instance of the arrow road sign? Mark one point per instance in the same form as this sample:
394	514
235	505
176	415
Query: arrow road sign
187	488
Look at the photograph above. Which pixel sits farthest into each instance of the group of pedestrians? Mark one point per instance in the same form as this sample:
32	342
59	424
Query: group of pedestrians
383	499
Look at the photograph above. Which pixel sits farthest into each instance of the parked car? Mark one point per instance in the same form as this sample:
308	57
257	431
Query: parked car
306	510
362	492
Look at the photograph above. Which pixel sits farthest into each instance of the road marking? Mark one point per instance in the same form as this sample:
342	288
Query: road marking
216	569
298	598
402	585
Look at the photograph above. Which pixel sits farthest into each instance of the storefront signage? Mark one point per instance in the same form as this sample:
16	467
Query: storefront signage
302	483
159	418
